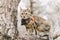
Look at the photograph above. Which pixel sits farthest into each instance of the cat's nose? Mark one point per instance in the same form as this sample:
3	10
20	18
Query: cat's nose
23	16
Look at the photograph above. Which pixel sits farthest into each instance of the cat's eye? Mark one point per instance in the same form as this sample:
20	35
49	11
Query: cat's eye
26	13
22	13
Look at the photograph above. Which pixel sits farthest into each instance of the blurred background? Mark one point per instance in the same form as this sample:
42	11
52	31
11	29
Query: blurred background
10	28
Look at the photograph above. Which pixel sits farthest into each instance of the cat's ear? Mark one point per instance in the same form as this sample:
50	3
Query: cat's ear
29	9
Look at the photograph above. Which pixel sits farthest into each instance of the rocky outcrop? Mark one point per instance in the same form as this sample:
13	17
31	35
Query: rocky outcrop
10	27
